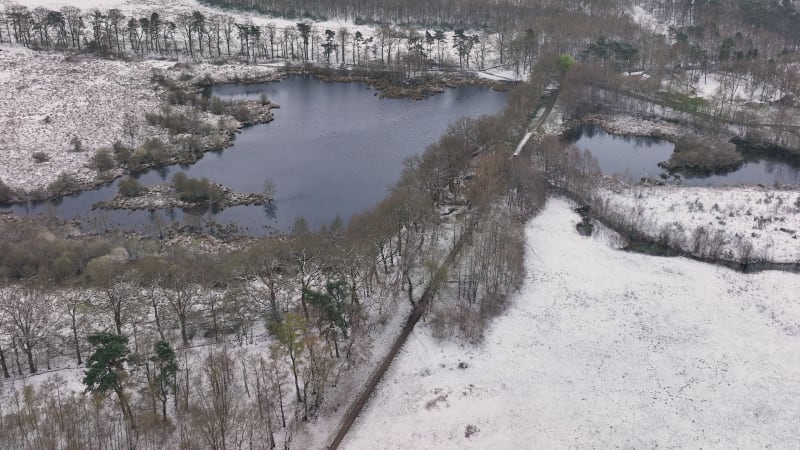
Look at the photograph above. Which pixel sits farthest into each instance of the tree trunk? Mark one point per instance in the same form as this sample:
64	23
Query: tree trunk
157	319
3	364
77	342
16	355
410	290
184	337
126	408
118	320
336	343
294	372
29	354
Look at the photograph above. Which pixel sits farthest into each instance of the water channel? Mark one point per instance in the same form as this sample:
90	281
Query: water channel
333	150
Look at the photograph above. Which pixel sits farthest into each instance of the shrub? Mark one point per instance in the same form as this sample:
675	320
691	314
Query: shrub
77	145
241	113
192	145
179	96
40	157
138	160
130	187
156	151
216	105
64	184
102	160
195	190
153	118
6	193
122	153
206	80
65	266
703	154
153	151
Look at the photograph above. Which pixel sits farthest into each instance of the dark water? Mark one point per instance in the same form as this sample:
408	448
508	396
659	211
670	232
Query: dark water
632	158
333	149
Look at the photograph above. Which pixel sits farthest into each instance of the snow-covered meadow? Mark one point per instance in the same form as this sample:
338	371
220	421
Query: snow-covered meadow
47	100
766	218
604	348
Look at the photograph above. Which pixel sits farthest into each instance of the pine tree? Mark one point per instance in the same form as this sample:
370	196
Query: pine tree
106	369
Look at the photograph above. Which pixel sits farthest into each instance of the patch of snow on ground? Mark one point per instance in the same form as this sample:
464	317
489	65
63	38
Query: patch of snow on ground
631	125
604	348
46	101
713	86
647	20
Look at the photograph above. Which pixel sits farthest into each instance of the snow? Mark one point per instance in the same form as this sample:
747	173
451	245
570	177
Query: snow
604	348
707	86
522	143
647	20
46	101
623	124
57	4
766	217
501	74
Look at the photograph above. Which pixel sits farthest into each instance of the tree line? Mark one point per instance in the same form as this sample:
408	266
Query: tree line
196	35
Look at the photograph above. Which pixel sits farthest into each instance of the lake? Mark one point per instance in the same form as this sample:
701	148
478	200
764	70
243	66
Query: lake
333	150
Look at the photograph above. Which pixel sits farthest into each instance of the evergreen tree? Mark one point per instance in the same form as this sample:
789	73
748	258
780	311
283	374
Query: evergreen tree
167	367
106	369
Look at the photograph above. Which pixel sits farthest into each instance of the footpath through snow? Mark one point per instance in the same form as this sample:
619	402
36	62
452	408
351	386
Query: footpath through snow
605	348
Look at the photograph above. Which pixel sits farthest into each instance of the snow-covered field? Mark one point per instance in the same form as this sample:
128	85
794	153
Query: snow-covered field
604	348
46	101
769	219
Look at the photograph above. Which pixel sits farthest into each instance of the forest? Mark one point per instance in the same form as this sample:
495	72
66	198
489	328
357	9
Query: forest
199	342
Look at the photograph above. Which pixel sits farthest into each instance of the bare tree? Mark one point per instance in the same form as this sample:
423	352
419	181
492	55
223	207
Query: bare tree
30	315
182	292
218	406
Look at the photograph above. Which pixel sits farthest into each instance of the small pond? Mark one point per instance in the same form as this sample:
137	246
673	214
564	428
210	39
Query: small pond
632	157
333	150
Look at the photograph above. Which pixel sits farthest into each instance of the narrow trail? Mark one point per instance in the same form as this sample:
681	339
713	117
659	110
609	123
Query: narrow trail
538	121
416	313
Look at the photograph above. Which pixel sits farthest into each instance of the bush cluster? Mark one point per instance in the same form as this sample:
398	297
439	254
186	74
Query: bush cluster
130	187
64	184
179	123
195	190
6	193
703	154
40	157
103	160
152	152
